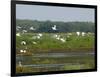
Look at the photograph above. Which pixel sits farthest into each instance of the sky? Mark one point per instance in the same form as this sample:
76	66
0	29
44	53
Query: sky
54	13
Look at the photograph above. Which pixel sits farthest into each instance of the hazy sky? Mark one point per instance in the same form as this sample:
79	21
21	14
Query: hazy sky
37	12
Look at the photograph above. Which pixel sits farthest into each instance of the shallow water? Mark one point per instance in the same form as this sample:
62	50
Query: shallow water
40	62
55	55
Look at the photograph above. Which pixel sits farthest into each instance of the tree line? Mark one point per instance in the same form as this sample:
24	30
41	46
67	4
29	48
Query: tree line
45	26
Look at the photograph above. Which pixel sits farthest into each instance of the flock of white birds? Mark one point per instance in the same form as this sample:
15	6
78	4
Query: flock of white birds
40	35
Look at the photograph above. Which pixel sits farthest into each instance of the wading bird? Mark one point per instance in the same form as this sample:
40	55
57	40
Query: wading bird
20	64
63	40
34	42
32	28
78	33
19	27
18	34
38	37
24	31
58	38
55	35
23	43
54	27
40	34
83	33
23	51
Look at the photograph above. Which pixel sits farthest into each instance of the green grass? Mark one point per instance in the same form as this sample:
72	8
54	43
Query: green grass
49	44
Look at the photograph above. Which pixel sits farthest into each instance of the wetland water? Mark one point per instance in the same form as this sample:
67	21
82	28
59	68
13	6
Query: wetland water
42	55
47	60
41	62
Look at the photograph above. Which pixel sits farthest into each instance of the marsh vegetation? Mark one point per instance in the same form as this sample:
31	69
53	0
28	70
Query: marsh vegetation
44	46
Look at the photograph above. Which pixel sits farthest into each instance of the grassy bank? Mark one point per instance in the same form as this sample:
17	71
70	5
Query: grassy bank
47	43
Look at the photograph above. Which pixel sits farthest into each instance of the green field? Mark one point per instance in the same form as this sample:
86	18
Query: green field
48	44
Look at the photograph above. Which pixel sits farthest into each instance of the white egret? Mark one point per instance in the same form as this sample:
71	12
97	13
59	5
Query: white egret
19	27
24	51
55	35
20	64
38	37
23	43
40	34
89	34
83	33
58	38
24	31
34	42
18	34
54	27
63	40
21	51
78	33
32	28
